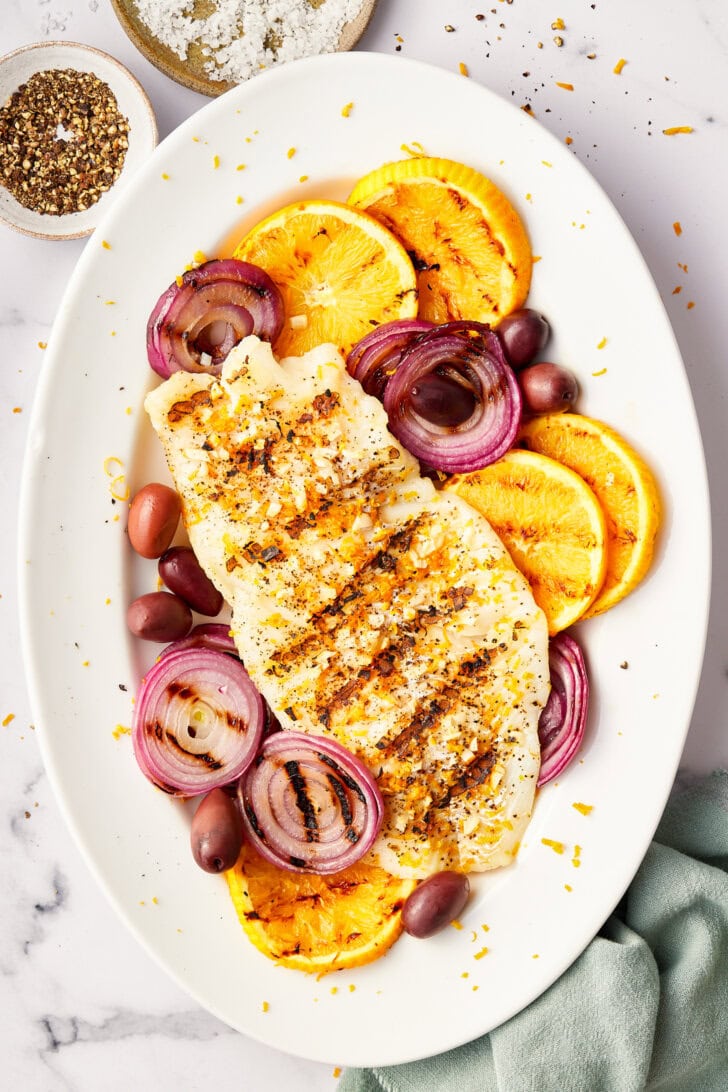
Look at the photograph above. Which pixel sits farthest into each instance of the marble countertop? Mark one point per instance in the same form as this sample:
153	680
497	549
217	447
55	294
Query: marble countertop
82	1006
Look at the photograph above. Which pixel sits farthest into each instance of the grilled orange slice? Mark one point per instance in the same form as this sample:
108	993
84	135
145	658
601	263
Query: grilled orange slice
623	484
340	272
317	923
468	244
552	525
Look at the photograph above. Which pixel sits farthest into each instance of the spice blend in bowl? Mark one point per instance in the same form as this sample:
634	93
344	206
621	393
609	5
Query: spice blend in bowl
63	141
73	121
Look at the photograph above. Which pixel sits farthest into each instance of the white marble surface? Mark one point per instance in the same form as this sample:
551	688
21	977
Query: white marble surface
82	1007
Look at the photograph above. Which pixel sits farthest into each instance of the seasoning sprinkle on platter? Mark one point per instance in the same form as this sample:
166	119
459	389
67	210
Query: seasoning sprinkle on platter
73	122
212	45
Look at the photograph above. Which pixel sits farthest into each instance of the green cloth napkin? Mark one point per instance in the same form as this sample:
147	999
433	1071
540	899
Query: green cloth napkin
644	1007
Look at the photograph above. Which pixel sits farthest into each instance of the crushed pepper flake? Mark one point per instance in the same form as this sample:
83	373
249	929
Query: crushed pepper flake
565	86
677	227
17	409
677	290
583	809
337	1071
619	66
568	140
673	130
683	267
690	305
558	847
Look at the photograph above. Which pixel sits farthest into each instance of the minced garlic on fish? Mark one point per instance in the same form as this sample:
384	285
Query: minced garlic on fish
366	605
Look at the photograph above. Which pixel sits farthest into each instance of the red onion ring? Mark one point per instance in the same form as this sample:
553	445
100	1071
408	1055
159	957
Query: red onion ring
376	357
563	718
471	354
309	805
238	296
212	635
198	721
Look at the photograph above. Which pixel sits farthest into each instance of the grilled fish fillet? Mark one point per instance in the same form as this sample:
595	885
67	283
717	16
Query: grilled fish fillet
366	605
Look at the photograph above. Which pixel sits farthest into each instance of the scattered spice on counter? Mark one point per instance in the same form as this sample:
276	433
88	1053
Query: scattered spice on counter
346	110
565	86
619	66
583	809
558	847
463	69
675	129
677	227
8	719
63	141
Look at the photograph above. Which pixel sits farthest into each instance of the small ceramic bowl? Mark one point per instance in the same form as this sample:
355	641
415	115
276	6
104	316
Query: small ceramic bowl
192	71
132	101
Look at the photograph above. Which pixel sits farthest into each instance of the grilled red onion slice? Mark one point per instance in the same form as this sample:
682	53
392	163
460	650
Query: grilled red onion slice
376	357
309	805
468	354
198	721
213	635
563	718
200	317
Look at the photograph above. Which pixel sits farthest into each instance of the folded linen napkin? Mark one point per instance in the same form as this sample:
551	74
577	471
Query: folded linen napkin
645	1007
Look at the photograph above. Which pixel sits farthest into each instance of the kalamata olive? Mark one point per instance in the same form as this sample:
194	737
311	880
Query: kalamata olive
182	573
523	335
153	517
216	834
435	903
441	400
547	388
159	616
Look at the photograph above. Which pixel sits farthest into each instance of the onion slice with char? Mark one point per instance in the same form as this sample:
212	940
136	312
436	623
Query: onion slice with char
309	805
212	635
563	718
201	316
376	357
198	721
466	354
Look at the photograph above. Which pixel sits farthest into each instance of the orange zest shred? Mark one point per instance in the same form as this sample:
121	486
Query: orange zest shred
673	130
565	86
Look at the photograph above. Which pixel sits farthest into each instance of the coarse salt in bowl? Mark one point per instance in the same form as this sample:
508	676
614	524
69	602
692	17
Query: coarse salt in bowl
132	102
